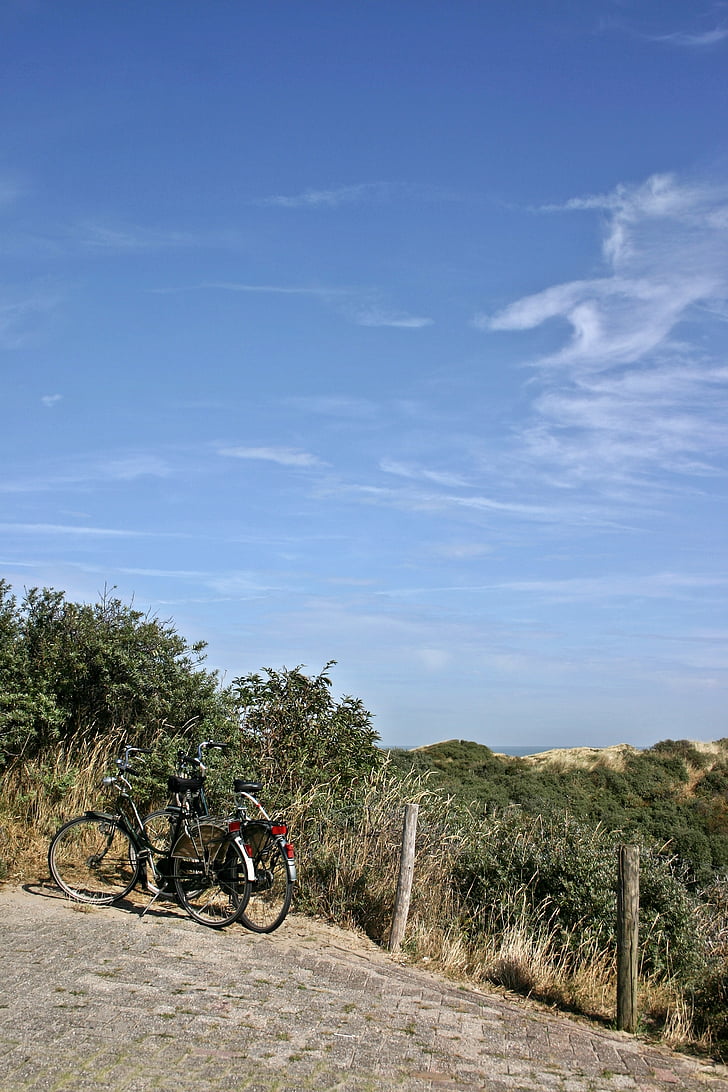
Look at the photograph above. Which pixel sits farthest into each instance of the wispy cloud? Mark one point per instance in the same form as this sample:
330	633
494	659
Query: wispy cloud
684	38
416	472
662	585
73	529
694	40
283	456
360	193
359	305
334	197
326	294
374	315
666	246
226	585
624	397
22	315
591	589
101	237
51	400
124	467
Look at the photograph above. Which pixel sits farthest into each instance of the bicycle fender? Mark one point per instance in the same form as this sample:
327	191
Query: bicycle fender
249	866
117	820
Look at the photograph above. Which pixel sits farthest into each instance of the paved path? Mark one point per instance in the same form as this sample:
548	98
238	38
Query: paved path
102	999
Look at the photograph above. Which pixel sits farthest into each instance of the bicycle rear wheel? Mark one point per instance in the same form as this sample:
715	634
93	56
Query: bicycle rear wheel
270	896
211	877
159	827
93	860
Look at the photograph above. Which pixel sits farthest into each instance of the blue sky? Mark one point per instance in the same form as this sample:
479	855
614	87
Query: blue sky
390	333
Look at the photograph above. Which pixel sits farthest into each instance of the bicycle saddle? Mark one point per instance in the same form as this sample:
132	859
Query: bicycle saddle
184	784
246	786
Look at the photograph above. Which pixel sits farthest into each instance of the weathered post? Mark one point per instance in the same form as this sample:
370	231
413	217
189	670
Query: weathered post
628	908
404	882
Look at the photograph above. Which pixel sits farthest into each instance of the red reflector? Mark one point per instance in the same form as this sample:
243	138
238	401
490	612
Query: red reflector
234	826
279	830
249	850
290	851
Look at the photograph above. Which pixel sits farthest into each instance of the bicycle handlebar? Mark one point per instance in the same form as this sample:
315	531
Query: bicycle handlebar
196	760
123	763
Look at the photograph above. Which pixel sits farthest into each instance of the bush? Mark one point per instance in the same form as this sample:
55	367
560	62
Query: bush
295	737
103	672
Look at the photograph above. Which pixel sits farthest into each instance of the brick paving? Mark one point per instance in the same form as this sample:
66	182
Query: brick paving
103	999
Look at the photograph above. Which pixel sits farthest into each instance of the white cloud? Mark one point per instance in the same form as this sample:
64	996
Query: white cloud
284	456
666	245
663	585
21	315
409	470
325	294
624	398
71	529
332	198
360	306
126	466
379	316
132	466
51	400
358	193
101	237
701	40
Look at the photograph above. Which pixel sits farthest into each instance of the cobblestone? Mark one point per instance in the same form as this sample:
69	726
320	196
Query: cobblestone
104	999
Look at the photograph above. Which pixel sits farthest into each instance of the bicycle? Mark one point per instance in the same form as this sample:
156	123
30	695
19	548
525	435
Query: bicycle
265	839
274	861
100	856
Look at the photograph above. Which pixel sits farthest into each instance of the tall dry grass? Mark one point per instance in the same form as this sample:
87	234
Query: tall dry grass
39	794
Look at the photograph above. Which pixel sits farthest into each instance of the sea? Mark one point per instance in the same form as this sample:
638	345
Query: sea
519	752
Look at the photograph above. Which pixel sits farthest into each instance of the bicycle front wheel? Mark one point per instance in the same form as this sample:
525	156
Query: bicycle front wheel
270	896
93	860
211	877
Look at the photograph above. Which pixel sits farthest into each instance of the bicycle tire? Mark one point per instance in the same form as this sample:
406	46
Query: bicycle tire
93	860
210	876
272	890
158	828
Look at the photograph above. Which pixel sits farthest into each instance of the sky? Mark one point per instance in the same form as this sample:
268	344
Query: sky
390	333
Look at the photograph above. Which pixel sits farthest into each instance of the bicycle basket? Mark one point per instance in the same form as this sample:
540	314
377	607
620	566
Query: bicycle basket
206	837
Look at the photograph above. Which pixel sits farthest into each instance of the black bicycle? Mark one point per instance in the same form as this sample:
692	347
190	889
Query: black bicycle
100	856
274	861
265	839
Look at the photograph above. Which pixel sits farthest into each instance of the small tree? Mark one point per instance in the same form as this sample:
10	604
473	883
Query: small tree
296	736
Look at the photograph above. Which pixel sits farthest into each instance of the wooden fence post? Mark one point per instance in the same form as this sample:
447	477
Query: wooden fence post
628	908
404	882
